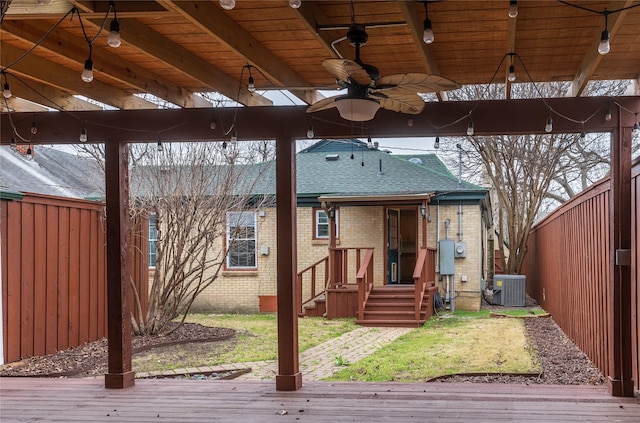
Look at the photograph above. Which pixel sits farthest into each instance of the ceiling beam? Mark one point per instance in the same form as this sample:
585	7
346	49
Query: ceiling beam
172	54
29	9
592	59
413	15
311	15
48	96
15	104
47	72
104	61
212	20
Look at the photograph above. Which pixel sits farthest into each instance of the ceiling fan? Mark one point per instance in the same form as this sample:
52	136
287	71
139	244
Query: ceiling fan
367	91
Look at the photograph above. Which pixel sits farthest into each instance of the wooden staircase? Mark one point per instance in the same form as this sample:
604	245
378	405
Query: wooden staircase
393	306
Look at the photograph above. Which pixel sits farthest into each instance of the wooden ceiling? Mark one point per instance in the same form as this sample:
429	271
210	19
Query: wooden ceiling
175	49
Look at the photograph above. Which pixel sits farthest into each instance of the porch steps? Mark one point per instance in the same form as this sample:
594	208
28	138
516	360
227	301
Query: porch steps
315	308
392	306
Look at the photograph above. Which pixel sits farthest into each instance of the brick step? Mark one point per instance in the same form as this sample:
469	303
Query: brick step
404	323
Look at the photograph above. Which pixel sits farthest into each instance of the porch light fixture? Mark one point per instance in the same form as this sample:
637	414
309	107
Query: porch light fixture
423	210
436	144
114	39
295	4
549	126
513	8
227	4
356	109
6	90
427	35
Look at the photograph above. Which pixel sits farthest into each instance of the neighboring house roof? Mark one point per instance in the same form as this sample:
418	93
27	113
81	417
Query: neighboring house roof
51	172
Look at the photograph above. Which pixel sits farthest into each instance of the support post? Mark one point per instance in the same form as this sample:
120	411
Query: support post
289	377
620	345
119	373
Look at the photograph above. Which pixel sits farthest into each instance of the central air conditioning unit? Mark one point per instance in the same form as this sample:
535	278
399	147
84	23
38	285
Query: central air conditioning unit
509	290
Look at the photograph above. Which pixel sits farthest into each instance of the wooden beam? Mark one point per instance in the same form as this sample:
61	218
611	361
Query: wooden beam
120	354
172	54
48	96
51	73
215	22
413	12
311	15
592	59
15	104
105	61
511	117
620	321
289	377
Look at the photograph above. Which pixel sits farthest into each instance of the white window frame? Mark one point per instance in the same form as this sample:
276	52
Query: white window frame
153	230
229	239
317	214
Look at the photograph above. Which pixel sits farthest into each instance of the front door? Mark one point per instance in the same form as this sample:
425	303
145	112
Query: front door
393	246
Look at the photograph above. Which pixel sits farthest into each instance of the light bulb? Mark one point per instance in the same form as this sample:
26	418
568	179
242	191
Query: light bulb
227	4
83	135
427	35
34	129
310	133
583	135
607	115
160	146
513	8
436	144
251	86
6	91
604	46
470	129
636	127
549	126
295	3
114	39
224	145
14	143
87	73
512	73
234	136
212	124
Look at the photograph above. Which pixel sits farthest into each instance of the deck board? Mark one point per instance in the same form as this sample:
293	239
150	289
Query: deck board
75	400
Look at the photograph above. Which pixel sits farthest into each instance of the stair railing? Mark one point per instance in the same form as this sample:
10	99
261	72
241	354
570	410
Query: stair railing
365	282
423	276
310	275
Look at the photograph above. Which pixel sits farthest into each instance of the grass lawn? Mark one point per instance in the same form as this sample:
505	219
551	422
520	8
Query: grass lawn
459	343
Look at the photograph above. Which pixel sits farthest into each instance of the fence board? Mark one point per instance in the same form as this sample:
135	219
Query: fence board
54	273
568	270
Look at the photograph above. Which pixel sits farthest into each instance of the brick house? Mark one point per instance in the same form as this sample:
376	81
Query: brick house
393	205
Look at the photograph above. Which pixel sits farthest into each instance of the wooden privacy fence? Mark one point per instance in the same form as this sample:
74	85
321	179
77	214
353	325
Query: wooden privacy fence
54	273
567	270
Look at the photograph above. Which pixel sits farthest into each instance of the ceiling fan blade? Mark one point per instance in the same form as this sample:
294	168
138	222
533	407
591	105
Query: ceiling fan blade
410	104
347	70
412	83
325	103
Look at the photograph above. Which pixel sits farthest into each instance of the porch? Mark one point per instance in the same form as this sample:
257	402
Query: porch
68	400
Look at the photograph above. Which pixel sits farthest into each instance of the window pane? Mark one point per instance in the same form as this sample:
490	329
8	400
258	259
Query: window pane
153	240
241	240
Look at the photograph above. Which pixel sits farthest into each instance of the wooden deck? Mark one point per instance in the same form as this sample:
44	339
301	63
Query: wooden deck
86	400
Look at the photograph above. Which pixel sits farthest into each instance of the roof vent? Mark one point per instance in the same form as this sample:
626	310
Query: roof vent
332	157
416	160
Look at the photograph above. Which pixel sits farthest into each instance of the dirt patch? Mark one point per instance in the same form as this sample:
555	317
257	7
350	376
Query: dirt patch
91	358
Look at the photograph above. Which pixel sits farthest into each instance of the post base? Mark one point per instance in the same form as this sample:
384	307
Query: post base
119	380
620	388
289	382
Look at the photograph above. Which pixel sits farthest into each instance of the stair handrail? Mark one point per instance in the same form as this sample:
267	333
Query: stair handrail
364	279
425	264
300	278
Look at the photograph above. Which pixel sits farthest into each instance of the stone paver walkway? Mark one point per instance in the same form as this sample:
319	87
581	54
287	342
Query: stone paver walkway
316	363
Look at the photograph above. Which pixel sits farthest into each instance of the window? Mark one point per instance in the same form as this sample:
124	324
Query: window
241	240
321	220
153	240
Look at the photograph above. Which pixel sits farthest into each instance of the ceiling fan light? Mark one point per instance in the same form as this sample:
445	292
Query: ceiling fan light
357	109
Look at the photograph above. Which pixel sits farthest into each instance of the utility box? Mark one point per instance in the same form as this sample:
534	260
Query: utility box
460	250
509	290
447	259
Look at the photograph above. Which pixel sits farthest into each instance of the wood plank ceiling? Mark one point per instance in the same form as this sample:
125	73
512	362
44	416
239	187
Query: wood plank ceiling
175	49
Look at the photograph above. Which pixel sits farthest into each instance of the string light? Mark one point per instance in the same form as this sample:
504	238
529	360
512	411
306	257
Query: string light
636	126
234	136
295	4
604	47
436	144
513	8
427	35
227	4
310	133
34	128
549	126
87	73
160	146
512	69
114	40
251	86
607	115
6	90
14	143
470	129
83	134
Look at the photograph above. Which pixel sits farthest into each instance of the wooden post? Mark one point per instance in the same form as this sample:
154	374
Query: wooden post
620	345
425	204
289	377
119	373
